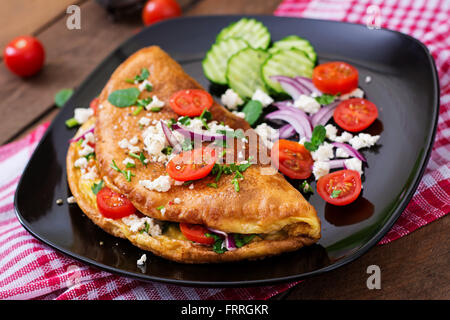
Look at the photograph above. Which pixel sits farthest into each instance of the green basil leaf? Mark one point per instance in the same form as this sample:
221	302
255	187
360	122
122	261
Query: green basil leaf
325	98
62	96
96	187
124	97
252	110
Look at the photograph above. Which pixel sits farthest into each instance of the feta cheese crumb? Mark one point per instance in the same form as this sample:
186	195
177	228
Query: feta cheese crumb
142	260
90	175
86	150
262	97
344	137
341	153
178	183
177	200
155	103
239	114
331	131
368	79
71	200
320	169
231	99
323	153
191	186
136	224
302	140
307	104
81	163
160	184
267	134
363	140
354	164
128	160
144	121
82	114
163	211
357	93
144	84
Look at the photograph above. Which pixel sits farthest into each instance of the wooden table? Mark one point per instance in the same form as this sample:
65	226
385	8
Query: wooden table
414	267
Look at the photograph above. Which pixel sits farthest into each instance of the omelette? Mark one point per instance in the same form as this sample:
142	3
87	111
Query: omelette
247	210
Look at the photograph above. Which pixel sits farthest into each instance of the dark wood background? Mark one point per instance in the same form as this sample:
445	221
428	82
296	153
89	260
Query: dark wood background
414	267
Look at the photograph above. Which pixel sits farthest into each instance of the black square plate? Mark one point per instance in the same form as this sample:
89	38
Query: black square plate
404	86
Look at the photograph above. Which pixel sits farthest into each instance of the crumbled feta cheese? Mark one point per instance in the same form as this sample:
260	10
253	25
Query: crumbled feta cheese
125	144
267	134
142	260
128	160
177	200
136	224
341	153
144	121
144	84
154	141
155	103
354	164
302	140
331	131
191	186
178	183
91	174
160	184
307	104
71	200
82	114
195	124
134	140
368	79
320	169
239	114
81	163
163	211
231	99
89	137
344	137
87	149
323	153
357	93
262	97
363	140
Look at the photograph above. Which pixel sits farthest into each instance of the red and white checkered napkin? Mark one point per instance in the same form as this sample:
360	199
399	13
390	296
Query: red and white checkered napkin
31	270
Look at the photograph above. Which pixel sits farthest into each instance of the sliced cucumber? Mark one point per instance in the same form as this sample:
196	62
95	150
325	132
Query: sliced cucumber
291	62
251	30
244	71
216	59
295	42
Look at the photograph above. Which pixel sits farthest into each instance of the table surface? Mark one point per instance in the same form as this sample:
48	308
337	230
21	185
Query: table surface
414	267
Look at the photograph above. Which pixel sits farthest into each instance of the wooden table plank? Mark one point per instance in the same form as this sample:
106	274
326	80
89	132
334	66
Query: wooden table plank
210	7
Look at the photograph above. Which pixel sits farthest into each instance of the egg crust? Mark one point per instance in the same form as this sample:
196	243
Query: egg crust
266	203
170	247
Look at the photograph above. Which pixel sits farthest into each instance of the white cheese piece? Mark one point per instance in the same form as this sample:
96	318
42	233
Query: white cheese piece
128	160
142	260
341	153
71	200
354	164
155	103
87	149
267	134
262	97
302	140
177	200
239	114
91	174
81	163
323	153
320	169
331	131
89	137
178	183
307	104
344	137
363	140
357	93
144	121
368	79
143	85
191	186
160	184
136	224
82	114
231	99
154	142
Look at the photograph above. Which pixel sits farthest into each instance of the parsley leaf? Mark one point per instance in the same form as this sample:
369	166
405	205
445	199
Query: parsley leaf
96	187
124	97
218	246
212	185
141	157
141	77
62	96
326	98
306	187
318	136
335	193
167	150
184	120
242	239
252	110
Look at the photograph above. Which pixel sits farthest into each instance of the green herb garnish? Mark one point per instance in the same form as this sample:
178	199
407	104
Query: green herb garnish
141	157
128	174
124	97
62	96
167	150
70	123
145	229
252	110
130	165
325	98
139	78
184	120
335	193
242	239
306	187
96	187
155	109
212	185
318	136
160	208
204	117
218	243
138	110
148	87
90	155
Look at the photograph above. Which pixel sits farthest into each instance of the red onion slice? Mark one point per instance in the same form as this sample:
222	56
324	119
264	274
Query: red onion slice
286	131
82	136
334	164
307	83
173	141
324	115
292	87
298	119
350	150
229	239
197	135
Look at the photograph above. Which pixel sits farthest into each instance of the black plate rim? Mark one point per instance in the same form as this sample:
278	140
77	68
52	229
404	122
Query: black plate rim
247	283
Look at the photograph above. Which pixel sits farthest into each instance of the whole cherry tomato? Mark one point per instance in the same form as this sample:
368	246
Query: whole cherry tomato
157	10
24	56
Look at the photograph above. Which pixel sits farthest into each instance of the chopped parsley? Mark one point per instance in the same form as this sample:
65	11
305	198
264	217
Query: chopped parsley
335	193
325	98
318	137
237	169
212	185
306	187
218	246
70	123
146	228
242	239
167	150
128	174
205	117
141	158
160	208
96	187
184	120
140	77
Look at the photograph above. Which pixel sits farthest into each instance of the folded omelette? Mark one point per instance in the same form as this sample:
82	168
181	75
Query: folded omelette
249	213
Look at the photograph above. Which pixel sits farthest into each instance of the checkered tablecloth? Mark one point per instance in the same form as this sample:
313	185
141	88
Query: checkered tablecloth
31	270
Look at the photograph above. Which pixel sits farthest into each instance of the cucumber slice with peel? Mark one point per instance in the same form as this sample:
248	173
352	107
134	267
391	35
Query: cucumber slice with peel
251	30
294	41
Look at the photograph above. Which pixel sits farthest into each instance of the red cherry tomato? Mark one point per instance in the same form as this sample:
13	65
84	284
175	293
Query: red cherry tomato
191	102
24	56
196	233
192	165
355	114
292	159
94	104
157	10
340	187
335	77
113	205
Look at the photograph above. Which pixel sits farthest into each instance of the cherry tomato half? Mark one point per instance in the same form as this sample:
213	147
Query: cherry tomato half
157	10
191	102
24	56
192	165
335	77
292	159
196	233
355	114
340	187
113	205
94	104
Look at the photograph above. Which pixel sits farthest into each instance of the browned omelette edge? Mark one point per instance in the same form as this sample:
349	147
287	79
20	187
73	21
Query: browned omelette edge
182	251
